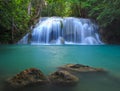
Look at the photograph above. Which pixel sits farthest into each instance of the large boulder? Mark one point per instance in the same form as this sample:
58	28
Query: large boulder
81	68
63	77
27	77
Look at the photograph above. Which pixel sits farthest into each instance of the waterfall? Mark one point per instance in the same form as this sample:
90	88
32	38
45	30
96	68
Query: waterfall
68	30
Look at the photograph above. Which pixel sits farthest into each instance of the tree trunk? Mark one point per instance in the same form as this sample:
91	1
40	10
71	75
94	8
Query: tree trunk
29	8
12	32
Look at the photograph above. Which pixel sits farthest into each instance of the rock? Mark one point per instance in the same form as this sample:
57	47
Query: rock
63	78
62	41
27	77
81	68
53	41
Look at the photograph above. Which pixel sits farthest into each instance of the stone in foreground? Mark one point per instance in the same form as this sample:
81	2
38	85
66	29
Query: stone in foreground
63	78
81	68
27	77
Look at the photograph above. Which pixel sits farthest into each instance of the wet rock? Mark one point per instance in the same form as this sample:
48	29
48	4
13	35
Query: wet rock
53	41
62	41
81	68
27	77
63	78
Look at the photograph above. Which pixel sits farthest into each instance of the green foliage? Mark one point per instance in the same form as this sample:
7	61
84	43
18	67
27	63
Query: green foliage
17	15
14	17
105	11
57	8
13	9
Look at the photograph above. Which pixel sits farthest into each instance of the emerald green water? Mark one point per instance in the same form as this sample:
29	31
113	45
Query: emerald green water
15	58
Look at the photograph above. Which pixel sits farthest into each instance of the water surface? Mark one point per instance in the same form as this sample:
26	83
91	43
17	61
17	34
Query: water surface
15	58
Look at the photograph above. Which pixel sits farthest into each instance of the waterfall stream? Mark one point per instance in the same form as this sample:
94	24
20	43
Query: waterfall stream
68	30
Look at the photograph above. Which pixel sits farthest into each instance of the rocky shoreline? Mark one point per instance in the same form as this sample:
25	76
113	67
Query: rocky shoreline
63	76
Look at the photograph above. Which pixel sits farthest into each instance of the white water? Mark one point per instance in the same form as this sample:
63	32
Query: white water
69	30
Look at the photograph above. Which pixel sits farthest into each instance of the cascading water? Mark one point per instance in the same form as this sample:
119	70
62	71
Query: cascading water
69	30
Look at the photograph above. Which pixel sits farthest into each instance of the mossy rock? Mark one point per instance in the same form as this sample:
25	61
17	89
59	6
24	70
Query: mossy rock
27	77
63	77
81	68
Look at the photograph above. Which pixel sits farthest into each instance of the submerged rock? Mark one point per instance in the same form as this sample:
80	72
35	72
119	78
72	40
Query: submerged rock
27	77
63	78
81	68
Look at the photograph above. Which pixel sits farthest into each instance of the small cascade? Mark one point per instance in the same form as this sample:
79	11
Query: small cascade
24	40
69	30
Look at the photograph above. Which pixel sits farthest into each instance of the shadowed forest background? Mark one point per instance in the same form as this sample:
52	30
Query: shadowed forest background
17	16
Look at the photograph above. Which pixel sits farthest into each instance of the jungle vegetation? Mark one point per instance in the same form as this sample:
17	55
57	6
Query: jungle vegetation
17	16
